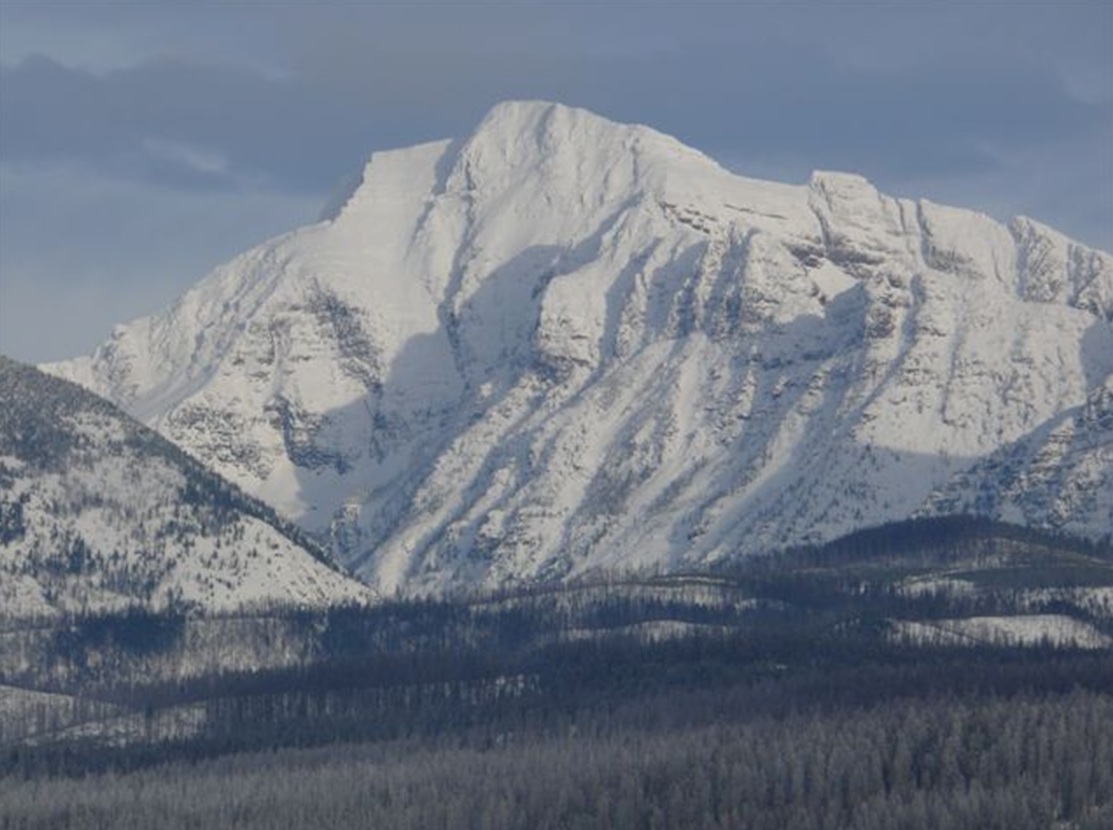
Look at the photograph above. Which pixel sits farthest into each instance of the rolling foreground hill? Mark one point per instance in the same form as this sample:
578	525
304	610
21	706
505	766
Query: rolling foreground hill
563	344
100	514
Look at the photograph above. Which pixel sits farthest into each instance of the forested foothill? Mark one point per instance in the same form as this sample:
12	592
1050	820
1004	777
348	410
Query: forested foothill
948	673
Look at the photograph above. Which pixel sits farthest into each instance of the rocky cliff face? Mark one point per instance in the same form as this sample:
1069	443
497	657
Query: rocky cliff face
98	514
564	344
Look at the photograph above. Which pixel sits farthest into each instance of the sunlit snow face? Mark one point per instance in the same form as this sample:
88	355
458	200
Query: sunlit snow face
563	343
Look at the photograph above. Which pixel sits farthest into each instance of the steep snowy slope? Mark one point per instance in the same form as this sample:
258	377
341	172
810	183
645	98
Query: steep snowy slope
565	343
98	513
1059	475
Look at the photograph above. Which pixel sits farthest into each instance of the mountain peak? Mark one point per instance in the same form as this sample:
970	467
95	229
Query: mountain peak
524	117
560	147
563	343
518	133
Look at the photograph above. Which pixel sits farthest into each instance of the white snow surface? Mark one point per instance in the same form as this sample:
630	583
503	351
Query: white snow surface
931	585
564	344
1027	630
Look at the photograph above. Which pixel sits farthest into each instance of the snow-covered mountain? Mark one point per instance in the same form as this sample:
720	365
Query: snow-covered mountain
564	344
1050	477
99	513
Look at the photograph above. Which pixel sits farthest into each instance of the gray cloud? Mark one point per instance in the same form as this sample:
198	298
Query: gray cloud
277	134
302	132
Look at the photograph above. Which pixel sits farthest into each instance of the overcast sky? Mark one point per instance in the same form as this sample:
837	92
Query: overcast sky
143	143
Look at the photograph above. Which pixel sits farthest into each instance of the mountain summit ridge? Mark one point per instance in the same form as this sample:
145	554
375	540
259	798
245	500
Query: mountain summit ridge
564	344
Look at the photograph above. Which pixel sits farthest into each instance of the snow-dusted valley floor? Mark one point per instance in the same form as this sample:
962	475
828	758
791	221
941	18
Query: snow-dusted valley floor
939	671
956	587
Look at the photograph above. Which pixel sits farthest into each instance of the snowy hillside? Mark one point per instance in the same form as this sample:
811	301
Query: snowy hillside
563	344
98	513
1055	475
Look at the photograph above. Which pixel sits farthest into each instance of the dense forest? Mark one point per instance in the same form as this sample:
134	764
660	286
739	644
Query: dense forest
946	674
1011	763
